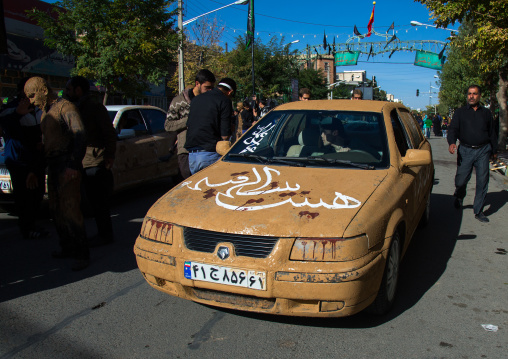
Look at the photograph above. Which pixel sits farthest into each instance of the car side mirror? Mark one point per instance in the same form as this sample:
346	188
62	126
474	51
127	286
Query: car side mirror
415	158
126	133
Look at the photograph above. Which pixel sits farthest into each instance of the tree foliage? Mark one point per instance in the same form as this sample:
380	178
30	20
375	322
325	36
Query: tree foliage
315	81
122	44
274	67
487	43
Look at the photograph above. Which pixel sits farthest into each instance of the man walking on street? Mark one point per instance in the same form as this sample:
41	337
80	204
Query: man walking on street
178	114
473	126
209	122
101	140
63	137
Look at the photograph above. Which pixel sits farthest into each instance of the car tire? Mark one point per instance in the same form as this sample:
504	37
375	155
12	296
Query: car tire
386	294
424	221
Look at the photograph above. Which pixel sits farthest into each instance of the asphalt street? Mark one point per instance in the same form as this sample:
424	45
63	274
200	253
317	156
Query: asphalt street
454	279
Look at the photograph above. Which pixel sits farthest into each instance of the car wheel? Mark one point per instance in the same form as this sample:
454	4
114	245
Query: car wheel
426	214
386	295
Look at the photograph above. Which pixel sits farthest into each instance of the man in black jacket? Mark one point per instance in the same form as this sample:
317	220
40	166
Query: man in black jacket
473	126
209	122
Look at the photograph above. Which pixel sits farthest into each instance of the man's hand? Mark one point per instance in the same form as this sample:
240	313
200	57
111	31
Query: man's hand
24	107
31	181
70	174
108	163
452	148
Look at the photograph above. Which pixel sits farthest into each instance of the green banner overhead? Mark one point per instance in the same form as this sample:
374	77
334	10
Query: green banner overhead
346	58
428	59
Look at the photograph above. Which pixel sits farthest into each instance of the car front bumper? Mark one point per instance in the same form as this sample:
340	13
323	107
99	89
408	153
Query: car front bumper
294	288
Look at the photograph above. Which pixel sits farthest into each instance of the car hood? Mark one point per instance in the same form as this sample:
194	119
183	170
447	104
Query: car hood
269	200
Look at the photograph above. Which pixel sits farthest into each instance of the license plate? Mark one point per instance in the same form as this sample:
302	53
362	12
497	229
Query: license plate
5	185
225	275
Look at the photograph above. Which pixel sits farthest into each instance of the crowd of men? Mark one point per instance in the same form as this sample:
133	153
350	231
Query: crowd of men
73	140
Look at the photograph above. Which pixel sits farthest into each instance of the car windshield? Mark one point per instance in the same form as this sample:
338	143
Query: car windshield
112	115
315	138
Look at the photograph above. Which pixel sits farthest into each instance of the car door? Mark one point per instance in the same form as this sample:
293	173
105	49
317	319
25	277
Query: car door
136	157
407	183
423	174
167	163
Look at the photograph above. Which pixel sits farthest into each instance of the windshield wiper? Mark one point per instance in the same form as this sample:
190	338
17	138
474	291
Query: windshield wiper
342	162
266	160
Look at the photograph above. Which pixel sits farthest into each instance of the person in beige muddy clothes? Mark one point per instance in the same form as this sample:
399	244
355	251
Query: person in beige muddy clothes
63	137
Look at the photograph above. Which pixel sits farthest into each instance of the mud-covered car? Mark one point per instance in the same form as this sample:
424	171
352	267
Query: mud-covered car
308	214
144	149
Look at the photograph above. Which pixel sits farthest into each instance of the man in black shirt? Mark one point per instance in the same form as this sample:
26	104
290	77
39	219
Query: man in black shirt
209	122
473	126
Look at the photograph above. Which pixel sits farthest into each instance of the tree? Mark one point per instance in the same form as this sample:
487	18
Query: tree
488	43
274	67
203	53
122	44
315	81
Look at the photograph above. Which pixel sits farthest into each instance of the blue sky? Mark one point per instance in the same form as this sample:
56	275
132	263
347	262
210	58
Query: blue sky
307	21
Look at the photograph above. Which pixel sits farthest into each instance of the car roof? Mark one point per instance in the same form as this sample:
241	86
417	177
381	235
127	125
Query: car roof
334	105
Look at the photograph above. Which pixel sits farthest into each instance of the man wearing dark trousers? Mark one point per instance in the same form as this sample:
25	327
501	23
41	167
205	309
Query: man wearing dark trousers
209	122
473	126
178	112
99	157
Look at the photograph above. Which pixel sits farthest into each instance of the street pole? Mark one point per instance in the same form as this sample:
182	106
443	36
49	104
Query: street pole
252	53
181	82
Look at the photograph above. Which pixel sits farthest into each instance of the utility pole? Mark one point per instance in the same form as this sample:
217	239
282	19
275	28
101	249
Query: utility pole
181	82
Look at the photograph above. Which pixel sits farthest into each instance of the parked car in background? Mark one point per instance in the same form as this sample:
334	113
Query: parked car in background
287	223
144	149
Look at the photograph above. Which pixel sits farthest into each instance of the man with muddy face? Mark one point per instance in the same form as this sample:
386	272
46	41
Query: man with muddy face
64	149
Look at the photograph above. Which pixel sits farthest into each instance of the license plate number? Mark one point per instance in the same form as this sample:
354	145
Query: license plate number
5	185
225	275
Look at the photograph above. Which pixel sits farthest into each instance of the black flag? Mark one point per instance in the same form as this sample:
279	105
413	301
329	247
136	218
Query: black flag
392	26
393	38
357	33
370	53
324	40
250	24
391	53
442	52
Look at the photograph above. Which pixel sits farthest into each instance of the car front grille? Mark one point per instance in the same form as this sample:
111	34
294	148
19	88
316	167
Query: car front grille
4	171
245	245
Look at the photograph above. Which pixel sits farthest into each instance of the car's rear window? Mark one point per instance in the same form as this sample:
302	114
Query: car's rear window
315	138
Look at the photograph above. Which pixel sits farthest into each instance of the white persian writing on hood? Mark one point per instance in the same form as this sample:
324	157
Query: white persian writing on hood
240	187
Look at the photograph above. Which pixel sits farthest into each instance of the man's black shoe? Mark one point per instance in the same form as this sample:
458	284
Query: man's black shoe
481	217
458	203
62	254
100	241
80	264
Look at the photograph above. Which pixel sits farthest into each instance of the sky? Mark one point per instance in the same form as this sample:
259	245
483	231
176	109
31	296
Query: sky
308	21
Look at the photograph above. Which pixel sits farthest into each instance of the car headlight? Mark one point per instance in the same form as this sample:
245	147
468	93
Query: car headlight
157	230
329	249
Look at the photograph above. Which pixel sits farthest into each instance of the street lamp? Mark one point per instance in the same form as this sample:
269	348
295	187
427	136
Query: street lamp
181	24
416	23
292	42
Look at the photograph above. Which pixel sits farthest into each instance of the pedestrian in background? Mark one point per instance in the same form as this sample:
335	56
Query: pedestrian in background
247	117
427	125
357	95
238	120
99	157
20	126
304	94
473	126
444	127
178	114
64	143
209	122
